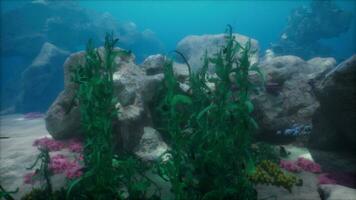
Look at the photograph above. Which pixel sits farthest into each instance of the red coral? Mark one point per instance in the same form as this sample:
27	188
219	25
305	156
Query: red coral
75	145
325	179
308	165
289	166
49	143
59	163
29	178
33	115
74	171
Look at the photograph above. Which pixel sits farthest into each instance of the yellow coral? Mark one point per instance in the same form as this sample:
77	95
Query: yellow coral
268	172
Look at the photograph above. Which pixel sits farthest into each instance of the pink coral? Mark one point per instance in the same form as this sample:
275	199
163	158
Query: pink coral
289	166
74	145
58	164
74	171
29	178
33	115
50	144
325	179
308	165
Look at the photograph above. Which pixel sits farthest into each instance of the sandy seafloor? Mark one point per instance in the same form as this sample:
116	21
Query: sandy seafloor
17	153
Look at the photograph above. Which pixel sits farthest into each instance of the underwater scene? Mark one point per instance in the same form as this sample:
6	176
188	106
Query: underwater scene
178	100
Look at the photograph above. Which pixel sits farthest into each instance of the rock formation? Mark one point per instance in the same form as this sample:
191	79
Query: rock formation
134	90
334	121
42	80
288	98
194	47
306	26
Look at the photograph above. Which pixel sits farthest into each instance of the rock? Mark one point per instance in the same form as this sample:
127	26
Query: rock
308	25
134	89
154	64
42	80
333	122
336	192
181	72
319	66
288	98
151	145
193	47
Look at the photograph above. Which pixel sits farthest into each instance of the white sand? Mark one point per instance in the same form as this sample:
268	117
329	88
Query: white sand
17	152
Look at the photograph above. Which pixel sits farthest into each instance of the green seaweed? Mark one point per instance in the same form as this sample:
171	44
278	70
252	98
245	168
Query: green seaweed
97	107
106	175
210	130
43	172
7	194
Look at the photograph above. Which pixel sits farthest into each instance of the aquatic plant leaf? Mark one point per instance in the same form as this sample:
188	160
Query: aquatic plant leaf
249	106
179	98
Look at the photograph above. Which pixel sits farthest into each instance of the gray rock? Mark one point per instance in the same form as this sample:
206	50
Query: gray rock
42	80
154	64
290	99
193	47
134	90
151	145
337	192
334	121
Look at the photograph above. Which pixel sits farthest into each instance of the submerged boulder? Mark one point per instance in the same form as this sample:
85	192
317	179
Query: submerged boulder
193	47
288	98
42	80
334	121
133	88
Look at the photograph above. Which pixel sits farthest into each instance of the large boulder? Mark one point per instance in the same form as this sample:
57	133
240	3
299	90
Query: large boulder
288	98
42	80
134	89
334	121
193	47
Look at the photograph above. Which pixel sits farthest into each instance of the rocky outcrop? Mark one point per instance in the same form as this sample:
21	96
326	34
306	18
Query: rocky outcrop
334	121
66	25
288	98
307	26
193	47
134	90
42	80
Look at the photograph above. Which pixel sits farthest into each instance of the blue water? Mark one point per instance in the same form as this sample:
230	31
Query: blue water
262	20
173	20
169	21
